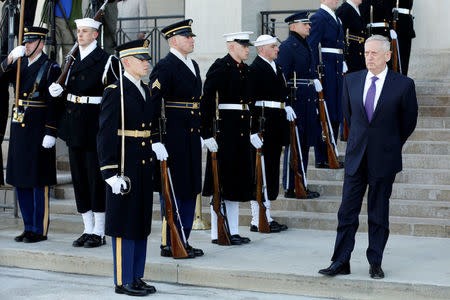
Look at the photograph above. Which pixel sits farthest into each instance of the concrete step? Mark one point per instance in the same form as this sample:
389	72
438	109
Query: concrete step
430	134
430	122
428	88
286	262
434	111
63	191
421	147
434	100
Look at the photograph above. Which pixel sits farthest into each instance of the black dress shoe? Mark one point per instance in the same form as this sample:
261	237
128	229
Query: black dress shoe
336	268
94	241
275	224
130	290
289	193
273	228
235	240
376	272
79	242
254	228
197	252
244	240
322	165
34	238
24	234
311	194
142	285
166	251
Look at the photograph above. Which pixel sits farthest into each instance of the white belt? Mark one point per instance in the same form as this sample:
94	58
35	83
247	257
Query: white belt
378	24
271	104
234	106
332	50
404	11
84	99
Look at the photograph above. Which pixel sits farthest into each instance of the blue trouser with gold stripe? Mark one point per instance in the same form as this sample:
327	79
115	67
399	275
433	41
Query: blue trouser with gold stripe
129	259
34	207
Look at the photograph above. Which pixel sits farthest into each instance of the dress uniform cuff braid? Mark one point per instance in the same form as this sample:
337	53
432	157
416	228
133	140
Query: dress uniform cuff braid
4	65
50	130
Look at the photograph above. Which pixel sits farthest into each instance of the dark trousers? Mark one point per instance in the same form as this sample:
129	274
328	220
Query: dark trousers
186	208
380	190
271	154
405	52
288	168
320	151
129	259
87	181
34	207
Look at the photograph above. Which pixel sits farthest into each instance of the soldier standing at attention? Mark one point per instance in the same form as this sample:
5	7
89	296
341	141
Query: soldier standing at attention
326	29
129	204
31	153
227	80
176	80
79	127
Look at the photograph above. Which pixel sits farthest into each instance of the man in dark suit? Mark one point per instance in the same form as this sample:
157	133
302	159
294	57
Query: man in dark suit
381	108
79	127
129	205
176	79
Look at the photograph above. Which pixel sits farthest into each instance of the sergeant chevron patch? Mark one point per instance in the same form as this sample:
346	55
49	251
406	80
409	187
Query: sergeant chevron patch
156	84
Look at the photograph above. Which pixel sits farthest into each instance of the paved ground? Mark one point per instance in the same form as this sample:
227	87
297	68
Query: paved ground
33	284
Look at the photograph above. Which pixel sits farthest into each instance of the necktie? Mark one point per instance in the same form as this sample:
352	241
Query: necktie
370	98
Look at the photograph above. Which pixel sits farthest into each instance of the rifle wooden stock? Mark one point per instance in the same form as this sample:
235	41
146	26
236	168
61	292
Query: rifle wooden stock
263	225
394	43
300	191
19	60
73	52
345	131
332	159
178	249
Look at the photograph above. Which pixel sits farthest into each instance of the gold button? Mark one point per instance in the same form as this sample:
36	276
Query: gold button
193	98
24	94
143	125
198	130
151	159
143	162
241	101
150	124
192	112
143	144
242	116
242	134
199	113
23	125
192	129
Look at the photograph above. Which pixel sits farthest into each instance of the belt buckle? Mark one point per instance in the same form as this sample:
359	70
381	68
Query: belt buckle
136	134
243	106
195	105
77	99
282	105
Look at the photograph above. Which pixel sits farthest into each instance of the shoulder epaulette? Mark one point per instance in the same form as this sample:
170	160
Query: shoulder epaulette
111	86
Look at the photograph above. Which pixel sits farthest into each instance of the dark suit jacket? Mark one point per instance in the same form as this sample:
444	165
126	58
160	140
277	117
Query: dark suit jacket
393	121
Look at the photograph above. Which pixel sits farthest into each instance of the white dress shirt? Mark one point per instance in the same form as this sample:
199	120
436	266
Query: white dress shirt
86	51
328	10
137	83
30	62
187	61
271	63
354	6
378	85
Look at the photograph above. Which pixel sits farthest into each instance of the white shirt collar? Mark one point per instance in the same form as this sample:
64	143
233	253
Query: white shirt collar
88	49
186	60
380	76
272	63
378	84
30	62
354	6
136	82
328	10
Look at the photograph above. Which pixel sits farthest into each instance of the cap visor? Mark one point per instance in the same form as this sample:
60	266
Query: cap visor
189	33
143	56
244	43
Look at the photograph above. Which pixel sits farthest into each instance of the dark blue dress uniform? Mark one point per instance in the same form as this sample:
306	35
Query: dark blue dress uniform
129	216
296	56
405	32
328	31
31	168
229	79
382	16
172	81
265	85
354	23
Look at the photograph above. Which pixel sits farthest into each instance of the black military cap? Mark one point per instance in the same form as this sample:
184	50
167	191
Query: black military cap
137	48
301	16
31	33
179	28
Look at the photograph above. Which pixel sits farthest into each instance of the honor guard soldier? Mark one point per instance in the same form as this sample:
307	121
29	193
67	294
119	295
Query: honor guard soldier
128	132
268	92
31	153
176	84
79	127
405	30
295	57
326	30
354	34
377	15
227	80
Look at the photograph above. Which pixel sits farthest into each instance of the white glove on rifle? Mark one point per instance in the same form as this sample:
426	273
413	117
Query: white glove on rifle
290	113
55	89
393	34
48	141
211	144
317	85
160	150
17	52
344	67
256	141
116	183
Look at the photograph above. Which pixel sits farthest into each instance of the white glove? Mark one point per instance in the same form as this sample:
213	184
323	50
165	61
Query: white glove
344	67
318	85
48	141
17	52
55	89
202	142
256	141
160	150
211	144
393	34
290	113
116	183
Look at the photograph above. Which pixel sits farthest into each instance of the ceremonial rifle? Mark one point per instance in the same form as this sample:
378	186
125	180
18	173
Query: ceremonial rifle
223	230
327	137
178	247
346	130
263	225
18	113
70	58
371	21
299	179
395	51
